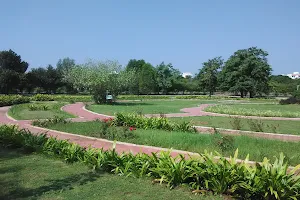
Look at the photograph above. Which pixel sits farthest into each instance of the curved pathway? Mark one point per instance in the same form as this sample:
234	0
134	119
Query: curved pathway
85	141
79	109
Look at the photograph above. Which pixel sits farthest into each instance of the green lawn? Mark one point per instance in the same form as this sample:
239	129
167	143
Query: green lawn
257	148
22	112
270	126
265	110
35	176
147	107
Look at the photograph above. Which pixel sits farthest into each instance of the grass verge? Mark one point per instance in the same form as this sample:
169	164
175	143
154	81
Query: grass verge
263	110
146	107
257	148
23	112
34	176
270	126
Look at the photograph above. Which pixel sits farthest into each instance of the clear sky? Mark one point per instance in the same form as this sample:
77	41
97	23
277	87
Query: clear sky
184	33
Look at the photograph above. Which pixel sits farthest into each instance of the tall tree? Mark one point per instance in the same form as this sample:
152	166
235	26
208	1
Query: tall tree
100	78
166	76
247	71
136	66
208	74
12	68
147	79
63	67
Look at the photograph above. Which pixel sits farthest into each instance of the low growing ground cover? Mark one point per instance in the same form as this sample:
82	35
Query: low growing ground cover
35	176
146	107
194	142
38	110
263	110
256	125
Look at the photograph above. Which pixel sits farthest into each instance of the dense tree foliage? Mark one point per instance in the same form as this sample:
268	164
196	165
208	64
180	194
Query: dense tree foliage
208	75
245	73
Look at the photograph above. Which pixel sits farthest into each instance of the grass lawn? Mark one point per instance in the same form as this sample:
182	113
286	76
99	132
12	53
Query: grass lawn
264	110
257	148
147	107
270	126
35	176
22	112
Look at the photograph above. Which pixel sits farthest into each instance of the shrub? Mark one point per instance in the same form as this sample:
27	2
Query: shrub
8	100
256	125
222	176
50	121
290	100
42	97
224	142
35	107
236	123
138	121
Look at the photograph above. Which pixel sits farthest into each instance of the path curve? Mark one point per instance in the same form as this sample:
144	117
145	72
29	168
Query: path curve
104	144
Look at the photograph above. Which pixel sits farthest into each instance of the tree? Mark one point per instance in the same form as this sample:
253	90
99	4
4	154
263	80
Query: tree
246	71
12	68
208	75
136	66
147	79
63	67
100	78
166	76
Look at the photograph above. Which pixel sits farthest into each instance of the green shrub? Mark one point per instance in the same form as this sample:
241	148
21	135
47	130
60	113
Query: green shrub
138	121
256	125
206	173
290	100
35	107
50	121
223	142
42	97
236	123
8	100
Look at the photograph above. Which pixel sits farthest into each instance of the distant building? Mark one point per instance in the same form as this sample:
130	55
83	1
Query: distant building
294	75
185	74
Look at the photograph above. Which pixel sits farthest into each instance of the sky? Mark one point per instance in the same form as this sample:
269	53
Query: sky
184	33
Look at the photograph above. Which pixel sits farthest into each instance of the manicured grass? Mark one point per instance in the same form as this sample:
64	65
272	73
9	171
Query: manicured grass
22	112
270	126
264	110
147	107
257	148
35	176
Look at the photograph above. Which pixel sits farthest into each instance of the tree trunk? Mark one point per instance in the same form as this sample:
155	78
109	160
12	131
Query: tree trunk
251	94
242	94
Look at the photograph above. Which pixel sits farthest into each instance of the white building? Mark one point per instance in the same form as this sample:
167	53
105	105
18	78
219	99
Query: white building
294	75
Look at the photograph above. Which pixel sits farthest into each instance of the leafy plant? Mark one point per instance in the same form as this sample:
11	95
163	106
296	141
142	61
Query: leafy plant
50	121
224	142
236	123
8	100
43	97
206	173
35	107
135	120
256	125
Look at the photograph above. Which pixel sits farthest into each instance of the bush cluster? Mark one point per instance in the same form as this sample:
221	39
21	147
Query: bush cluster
42	97
8	100
139	121
241	180
50	121
290	100
67	98
35	107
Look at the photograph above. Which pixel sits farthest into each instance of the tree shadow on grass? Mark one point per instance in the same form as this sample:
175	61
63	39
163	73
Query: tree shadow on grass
130	104
67	183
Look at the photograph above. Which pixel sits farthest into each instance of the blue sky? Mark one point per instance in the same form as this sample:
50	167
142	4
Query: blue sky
184	33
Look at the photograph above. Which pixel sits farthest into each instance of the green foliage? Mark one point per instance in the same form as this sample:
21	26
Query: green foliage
65	98
42	97
35	107
241	180
50	121
99	78
138	121
290	100
8	100
256	125
208	75
246	71
236	123
166	76
223	142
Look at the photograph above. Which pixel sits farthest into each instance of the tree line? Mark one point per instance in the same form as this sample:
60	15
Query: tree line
245	73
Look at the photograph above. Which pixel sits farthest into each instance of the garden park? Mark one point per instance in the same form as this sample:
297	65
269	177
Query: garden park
112	143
